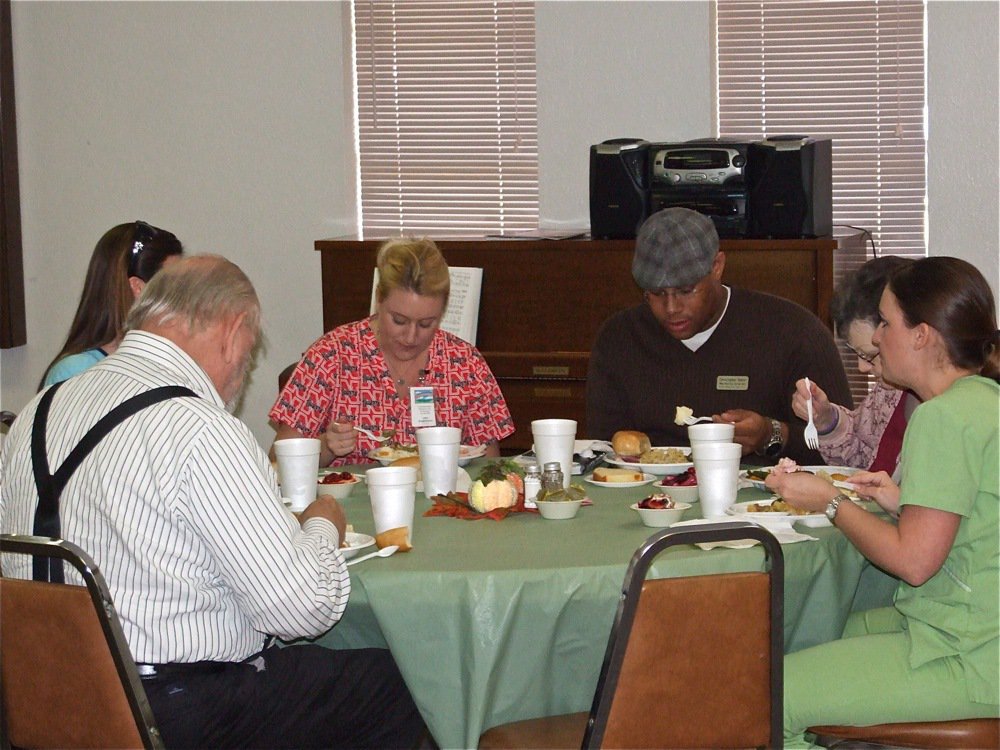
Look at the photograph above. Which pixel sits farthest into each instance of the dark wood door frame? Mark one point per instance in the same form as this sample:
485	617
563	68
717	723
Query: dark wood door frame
12	318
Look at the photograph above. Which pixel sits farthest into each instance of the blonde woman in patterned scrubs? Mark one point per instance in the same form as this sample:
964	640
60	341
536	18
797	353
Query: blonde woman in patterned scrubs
363	373
933	655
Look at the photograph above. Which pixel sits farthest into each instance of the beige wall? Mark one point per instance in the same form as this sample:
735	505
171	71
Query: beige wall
230	124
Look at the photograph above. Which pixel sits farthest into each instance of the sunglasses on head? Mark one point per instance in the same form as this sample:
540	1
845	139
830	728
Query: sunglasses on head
142	235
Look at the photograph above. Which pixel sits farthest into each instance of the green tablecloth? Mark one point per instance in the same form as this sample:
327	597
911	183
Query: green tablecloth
495	621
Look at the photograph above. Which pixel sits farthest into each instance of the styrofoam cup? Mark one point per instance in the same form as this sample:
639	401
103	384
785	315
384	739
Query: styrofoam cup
711	432
298	466
439	458
392	490
718	468
554	440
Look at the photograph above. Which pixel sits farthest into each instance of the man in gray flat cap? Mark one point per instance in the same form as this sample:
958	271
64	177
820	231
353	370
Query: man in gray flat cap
730	353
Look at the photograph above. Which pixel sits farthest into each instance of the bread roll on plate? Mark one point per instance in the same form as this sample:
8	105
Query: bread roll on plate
413	461
630	442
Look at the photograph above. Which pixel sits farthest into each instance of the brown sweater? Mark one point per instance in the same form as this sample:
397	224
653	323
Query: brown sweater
639	373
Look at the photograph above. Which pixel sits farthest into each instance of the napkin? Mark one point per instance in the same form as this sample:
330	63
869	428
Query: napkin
784	535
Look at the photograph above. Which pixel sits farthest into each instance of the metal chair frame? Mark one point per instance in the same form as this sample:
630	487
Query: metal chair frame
104	608
631	590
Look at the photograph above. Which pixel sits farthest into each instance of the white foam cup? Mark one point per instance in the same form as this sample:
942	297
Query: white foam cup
711	432
392	490
718	468
439	458
298	467
554	440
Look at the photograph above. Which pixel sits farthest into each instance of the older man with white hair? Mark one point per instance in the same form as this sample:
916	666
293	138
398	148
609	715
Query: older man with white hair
180	508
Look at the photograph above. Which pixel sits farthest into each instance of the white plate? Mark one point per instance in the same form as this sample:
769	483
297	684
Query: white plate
386	455
847	470
764	518
646	479
468	452
355	543
815	520
659	470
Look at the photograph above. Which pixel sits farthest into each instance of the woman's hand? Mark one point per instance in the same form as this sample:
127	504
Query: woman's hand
341	438
802	489
877	486
824	415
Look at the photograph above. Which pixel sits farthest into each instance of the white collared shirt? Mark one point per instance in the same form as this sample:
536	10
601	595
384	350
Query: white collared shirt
180	509
695	342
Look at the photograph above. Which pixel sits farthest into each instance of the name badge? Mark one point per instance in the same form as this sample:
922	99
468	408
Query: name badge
732	383
422	406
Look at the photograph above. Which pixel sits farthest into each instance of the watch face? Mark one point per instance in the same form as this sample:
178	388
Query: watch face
772	450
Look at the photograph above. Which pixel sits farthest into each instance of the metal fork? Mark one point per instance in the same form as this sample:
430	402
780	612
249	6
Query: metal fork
811	435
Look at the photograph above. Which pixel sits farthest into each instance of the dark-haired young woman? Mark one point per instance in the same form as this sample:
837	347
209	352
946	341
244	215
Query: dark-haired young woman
933	655
124	259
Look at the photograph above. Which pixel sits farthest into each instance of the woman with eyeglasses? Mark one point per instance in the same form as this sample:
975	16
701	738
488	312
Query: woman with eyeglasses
124	259
871	436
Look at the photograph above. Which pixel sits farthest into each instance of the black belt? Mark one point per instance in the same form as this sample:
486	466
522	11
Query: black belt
180	669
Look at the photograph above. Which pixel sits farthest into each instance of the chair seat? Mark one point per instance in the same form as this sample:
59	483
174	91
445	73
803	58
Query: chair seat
961	734
555	732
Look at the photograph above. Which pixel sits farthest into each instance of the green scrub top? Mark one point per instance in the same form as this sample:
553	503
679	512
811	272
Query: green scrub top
950	461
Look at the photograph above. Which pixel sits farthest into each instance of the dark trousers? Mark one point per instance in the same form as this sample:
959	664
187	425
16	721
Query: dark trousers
303	697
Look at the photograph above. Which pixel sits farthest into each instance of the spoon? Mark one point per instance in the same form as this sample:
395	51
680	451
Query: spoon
384	552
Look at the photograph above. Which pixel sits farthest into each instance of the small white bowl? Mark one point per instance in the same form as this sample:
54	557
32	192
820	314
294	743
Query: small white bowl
661	517
679	494
340	490
558	510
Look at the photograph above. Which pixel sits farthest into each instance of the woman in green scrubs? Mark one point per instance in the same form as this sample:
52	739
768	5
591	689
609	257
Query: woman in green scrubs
934	654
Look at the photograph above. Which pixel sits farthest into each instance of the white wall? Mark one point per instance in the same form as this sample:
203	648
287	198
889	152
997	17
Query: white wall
962	152
230	124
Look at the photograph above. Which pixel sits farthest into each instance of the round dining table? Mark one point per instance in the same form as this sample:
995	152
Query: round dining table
496	621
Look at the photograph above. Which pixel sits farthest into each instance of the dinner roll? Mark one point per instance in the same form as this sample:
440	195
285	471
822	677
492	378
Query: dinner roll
413	461
630	442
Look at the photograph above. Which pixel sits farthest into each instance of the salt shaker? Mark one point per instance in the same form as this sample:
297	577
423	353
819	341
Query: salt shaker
532	484
552	476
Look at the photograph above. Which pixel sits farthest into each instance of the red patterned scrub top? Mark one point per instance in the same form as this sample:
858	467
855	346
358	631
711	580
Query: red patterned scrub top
344	376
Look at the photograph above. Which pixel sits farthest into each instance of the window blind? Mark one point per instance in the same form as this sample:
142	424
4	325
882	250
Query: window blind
853	72
446	117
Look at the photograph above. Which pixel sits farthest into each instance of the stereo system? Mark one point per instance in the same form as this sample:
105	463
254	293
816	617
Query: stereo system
778	187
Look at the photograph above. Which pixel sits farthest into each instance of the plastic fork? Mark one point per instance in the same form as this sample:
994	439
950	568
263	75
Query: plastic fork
811	435
372	435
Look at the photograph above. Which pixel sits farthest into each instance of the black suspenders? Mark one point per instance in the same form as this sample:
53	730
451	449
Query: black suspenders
50	486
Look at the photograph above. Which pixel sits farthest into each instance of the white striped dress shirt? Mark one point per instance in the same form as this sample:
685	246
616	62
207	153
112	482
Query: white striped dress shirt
180	509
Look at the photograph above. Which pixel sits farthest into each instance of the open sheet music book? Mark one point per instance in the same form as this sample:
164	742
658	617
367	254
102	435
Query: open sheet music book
461	317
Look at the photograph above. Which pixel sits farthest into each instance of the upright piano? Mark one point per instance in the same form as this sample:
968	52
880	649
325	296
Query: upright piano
543	300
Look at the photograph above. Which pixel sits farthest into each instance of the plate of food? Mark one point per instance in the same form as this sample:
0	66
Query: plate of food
389	453
616	476
631	449
772	511
354	543
658	460
839	476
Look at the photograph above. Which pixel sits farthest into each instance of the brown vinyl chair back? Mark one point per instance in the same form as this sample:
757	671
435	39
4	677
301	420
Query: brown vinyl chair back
694	662
68	679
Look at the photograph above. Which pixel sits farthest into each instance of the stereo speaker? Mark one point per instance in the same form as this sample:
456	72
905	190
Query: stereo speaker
619	188
789	182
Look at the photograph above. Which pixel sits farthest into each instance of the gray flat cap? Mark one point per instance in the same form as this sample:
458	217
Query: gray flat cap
674	247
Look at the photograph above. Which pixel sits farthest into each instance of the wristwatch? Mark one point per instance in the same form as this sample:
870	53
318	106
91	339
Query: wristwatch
834	506
773	447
